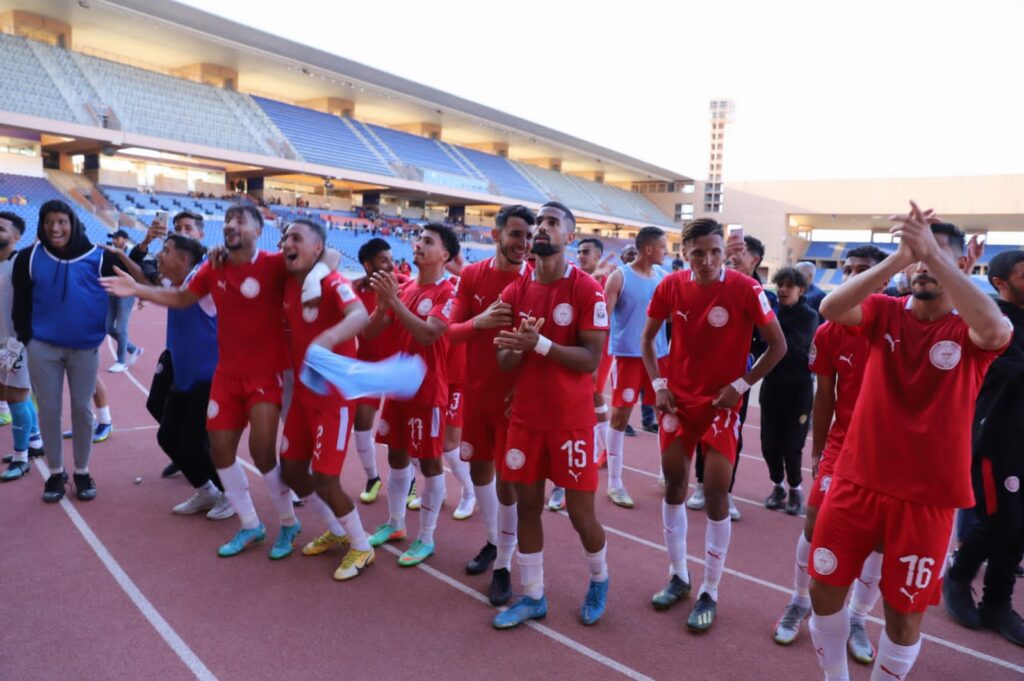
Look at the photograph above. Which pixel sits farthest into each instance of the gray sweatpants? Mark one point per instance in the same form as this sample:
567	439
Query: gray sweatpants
47	365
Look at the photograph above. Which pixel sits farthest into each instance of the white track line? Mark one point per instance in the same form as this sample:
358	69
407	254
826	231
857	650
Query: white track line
654	545
155	619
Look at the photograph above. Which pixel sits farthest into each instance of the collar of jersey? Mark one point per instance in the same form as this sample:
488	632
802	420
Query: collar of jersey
522	266
569	267
721	277
910	301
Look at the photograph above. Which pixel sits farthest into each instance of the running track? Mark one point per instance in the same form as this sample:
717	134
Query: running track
121	589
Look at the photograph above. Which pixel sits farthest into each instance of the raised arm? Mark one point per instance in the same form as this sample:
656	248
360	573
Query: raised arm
821	417
356	319
842	305
612	289
123	286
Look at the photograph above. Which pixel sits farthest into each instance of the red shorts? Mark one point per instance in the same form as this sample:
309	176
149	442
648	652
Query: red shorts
603	369
369	402
854	520
565	457
629	379
318	431
412	428
824	479
453	415
231	399
485	431
717	429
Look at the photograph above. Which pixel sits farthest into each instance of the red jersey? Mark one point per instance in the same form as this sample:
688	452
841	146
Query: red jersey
306	323
431	300
910	436
481	284
383	346
456	352
711	330
250	324
837	352
548	396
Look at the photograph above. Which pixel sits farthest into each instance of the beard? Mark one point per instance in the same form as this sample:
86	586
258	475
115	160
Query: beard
508	255
925	295
4	243
543	250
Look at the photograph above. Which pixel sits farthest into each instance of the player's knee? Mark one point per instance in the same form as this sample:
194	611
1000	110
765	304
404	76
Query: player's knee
827	599
431	467
903	629
292	473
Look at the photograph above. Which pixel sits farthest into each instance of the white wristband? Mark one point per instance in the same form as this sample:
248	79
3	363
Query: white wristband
543	346
659	384
311	285
740	386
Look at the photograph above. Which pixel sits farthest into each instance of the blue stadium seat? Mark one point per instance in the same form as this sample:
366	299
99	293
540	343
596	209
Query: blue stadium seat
37	191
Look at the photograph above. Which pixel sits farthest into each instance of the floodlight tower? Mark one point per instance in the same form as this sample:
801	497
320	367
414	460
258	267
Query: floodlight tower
722	111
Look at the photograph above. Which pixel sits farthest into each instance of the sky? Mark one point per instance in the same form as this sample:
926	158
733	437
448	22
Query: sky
822	89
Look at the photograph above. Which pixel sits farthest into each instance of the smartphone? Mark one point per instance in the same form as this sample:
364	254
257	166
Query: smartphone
162	217
735	233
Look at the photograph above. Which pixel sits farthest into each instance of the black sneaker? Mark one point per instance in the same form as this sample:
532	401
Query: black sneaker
33	453
1003	619
85	487
629	431
53	490
650	426
703	614
170	470
795	502
501	587
676	590
777	499
483	560
958	599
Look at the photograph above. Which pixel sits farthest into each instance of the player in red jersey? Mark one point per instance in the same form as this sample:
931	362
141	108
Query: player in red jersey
317	427
905	463
477	315
418	310
551	431
837	358
453	419
713	312
247	286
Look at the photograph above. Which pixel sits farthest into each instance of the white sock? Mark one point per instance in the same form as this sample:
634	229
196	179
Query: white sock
598	564
487	497
865	589
236	489
5	408
893	661
280	496
673	518
209	488
801	577
81	471
398	490
325	513
508	535
531	574
103	415
21	457
829	633
56	471
430	508
460	469
367	452
354	528
615	449
716	546
35	441
602	435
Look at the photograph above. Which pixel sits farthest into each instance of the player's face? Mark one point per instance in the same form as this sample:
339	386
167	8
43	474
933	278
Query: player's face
789	293
170	261
854	266
241	231
553	231
8	234
923	285
744	261
301	248
628	254
57	228
657	251
1011	289
429	250
514	239
188	227
382	262
587	257
706	255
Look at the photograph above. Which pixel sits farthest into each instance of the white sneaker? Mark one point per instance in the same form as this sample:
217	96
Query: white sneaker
222	510
465	508
132	357
734	512
557	500
202	500
117	368
696	500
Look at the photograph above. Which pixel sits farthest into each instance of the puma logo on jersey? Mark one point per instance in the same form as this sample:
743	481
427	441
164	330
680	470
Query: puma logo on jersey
715	429
222	284
575	475
478	298
684	315
892	342
910	596
846	358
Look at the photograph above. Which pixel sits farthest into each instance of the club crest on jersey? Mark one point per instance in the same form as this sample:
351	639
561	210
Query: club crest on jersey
670	423
1012	484
562	314
466	451
945	355
825	562
250	288
346	293
718	316
628	394
212	409
600	313
383	428
309	314
515	459
424	307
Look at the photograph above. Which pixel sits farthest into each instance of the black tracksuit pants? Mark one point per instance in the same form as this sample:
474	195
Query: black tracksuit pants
183	435
785	419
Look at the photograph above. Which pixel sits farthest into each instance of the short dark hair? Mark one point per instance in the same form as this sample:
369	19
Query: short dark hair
754	245
314	227
790	275
562	207
244	209
695	229
1000	267
598	244
515	211
678	262
15	219
196	217
193	248
868	252
372	248
648	235
448	237
953	233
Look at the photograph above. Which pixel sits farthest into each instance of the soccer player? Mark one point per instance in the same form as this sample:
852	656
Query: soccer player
453	419
905	464
714	311
317	427
628	292
477	315
247	287
419	312
560	323
837	358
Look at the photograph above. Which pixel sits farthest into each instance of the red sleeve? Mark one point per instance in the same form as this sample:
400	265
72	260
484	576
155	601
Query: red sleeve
871	309
200	284
660	306
443	304
461	308
593	309
759	307
823	350
341	294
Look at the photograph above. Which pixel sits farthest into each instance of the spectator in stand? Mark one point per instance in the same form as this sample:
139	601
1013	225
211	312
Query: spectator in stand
119	310
814	295
678	265
628	254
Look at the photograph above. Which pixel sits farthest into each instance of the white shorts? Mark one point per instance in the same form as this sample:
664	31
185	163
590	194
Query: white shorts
19	377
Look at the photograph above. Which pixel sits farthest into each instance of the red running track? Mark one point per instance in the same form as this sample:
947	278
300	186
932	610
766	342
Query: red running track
120	588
